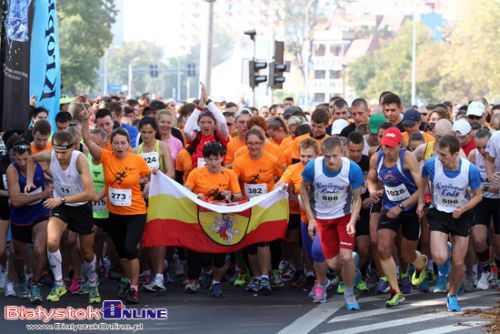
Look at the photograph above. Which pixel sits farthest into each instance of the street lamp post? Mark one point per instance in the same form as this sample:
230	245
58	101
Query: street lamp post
210	37
414	59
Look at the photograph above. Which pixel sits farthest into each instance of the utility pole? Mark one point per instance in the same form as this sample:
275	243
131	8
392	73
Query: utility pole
414	58
130	80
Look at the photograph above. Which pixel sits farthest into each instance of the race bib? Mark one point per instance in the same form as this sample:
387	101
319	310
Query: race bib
254	190
201	162
398	193
34	192
5	183
100	206
152	159
64	190
330	199
120	197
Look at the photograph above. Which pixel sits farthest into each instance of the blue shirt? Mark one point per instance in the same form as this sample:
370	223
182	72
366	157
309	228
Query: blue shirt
132	132
474	175
356	176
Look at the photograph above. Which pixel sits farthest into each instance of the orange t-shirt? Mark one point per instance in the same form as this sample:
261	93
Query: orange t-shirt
270	148
427	137
122	179
257	176
293	176
201	181
296	144
234	144
34	150
183	163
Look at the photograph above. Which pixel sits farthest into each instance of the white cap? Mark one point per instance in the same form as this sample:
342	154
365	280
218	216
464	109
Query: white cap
476	109
338	126
462	127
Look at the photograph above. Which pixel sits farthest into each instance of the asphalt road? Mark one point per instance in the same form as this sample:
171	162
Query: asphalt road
287	310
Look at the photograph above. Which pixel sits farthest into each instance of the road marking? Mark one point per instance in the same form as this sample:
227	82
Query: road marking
399	322
452	328
403	307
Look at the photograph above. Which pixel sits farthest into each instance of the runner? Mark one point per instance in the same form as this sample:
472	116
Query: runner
448	176
319	123
166	123
238	141
212	183
334	183
393	108
123	171
257	171
70	208
399	173
28	221
486	211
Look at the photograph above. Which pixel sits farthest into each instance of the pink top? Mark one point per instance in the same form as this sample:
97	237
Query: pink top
175	146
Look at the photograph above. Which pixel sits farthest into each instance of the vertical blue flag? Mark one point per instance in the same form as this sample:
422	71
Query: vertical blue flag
45	63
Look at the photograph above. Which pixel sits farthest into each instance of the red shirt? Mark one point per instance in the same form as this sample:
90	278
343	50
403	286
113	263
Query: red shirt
469	147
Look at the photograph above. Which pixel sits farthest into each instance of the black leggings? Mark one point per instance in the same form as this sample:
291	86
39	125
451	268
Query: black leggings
197	260
126	232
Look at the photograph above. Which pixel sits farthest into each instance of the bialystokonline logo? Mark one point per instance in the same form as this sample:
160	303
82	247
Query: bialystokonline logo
110	310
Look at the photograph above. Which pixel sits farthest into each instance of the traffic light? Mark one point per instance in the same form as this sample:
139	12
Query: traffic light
277	67
153	70
254	77
191	69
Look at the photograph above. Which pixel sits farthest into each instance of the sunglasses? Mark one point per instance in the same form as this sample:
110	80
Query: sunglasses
21	148
424	114
474	117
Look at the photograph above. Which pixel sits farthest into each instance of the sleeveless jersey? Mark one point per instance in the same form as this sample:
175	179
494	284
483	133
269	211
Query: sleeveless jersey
332	195
398	183
153	158
33	212
66	182
100	209
448	193
482	170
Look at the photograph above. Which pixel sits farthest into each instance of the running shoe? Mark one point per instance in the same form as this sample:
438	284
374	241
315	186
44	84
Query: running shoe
362	286
10	289
441	284
94	296
192	286
243	277
313	290
405	284
319	294
84	288
308	283
3	278
276	278
484	281
145	277
452	303
132	296
340	288
395	299
431	276
217	290
56	293
23	290
123	289
74	287
298	278
265	287
350	302
418	278
36	296
288	274
468	284
424	286
383	285
206	279
254	285
156	285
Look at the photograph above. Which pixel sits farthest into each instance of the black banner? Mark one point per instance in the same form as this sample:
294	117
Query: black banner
17	22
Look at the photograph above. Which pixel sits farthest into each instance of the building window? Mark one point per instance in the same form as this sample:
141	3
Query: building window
335	50
319	97
320	50
319	74
335	74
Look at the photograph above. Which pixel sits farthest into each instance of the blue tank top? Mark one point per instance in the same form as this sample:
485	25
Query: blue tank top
398	182
30	213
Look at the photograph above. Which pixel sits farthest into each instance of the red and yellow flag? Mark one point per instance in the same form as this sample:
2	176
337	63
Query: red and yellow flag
176	217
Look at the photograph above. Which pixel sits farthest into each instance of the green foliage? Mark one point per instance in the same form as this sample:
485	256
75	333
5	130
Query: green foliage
84	34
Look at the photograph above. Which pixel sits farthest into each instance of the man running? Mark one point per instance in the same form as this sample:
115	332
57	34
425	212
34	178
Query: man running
334	183
70	208
399	173
450	177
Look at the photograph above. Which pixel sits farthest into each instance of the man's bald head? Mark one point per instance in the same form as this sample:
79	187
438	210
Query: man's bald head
443	127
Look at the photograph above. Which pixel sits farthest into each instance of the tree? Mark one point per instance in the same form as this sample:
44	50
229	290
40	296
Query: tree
84	34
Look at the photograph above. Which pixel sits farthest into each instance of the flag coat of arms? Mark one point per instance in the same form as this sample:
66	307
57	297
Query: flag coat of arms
177	217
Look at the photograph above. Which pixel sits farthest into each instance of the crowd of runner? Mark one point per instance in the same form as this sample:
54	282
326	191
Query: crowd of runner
380	198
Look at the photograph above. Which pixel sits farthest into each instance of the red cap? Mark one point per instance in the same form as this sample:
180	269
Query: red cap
391	137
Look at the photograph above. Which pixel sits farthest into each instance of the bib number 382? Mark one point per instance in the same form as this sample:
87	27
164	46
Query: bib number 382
120	197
